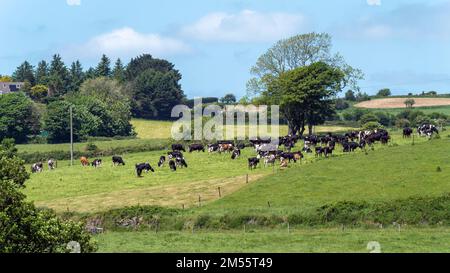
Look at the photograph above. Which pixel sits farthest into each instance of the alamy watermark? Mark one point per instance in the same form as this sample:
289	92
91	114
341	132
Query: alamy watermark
215	123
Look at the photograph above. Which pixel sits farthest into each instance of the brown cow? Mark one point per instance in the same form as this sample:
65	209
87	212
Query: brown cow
226	148
84	161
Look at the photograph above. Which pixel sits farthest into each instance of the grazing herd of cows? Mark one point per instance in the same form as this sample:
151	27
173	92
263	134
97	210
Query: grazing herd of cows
267	151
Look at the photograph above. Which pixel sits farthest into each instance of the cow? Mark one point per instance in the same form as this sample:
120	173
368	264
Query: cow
226	148
253	163
173	165
175	154
117	161
84	161
213	148
288	156
143	167
269	160
37	167
236	154
180	162
162	161
350	146
327	151
178	147
407	132
196	147
298	156
319	151
97	163
52	164
427	130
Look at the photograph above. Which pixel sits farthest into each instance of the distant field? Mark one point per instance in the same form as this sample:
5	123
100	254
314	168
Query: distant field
409	240
389	103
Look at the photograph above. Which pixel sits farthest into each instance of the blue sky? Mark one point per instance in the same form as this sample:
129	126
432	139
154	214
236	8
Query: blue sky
400	44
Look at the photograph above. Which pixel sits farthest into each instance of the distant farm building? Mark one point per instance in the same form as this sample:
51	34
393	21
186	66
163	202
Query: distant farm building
8	87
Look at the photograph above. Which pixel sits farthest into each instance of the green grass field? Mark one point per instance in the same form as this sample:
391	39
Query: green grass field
396	171
409	240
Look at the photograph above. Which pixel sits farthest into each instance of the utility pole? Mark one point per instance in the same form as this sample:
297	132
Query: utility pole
71	135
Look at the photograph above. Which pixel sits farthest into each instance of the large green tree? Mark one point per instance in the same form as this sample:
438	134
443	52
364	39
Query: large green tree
299	51
23	227
104	67
76	76
155	87
58	82
18	117
305	95
42	73
25	72
118	72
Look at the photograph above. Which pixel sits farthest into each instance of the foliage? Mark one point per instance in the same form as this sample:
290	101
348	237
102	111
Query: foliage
410	103
372	125
299	51
155	93
104	67
38	92
5	78
350	95
370	117
76	76
402	123
228	99
341	104
386	92
305	95
24	228
58	80
18	117
25	72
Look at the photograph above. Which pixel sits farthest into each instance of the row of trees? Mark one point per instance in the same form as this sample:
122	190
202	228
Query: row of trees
153	84
104	98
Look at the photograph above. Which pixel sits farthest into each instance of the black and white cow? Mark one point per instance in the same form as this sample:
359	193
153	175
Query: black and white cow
427	130
173	165
117	161
253	163
162	161
140	168
96	163
37	167
181	162
213	148
175	154
52	164
236	154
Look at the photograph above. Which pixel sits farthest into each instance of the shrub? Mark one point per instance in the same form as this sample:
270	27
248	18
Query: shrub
372	125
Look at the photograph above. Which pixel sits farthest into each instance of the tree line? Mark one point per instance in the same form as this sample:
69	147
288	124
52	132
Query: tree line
104	98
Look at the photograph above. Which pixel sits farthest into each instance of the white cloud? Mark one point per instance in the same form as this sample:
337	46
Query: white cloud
374	2
73	2
245	26
127	42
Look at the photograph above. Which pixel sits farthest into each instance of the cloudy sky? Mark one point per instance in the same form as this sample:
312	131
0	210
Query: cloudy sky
401	44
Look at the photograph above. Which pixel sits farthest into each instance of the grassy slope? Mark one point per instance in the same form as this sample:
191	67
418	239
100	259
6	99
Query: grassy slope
88	189
279	241
392	173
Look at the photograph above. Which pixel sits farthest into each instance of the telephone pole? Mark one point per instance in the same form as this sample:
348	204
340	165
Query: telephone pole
71	135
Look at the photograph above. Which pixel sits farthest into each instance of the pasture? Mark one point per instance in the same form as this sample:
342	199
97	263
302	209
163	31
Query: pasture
409	240
387	173
389	103
86	189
